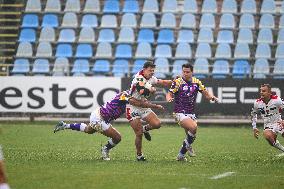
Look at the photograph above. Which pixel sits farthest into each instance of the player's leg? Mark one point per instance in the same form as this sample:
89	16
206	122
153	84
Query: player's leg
153	123
3	178
271	138
137	128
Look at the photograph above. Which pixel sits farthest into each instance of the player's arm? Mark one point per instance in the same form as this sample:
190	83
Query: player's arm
169	96
164	83
144	104
254	113
281	107
144	90
209	96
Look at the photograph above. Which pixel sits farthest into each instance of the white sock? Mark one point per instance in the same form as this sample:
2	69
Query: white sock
82	127
278	146
4	186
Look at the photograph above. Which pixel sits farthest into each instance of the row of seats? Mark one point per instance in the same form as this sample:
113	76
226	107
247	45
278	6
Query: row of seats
146	50
150	20
128	35
114	6
121	67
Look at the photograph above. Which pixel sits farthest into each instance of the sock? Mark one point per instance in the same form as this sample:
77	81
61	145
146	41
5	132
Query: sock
190	138
278	146
110	144
76	126
183	149
146	128
4	186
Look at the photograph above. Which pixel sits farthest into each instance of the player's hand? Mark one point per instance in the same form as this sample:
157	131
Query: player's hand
160	107
153	90
256	133
215	99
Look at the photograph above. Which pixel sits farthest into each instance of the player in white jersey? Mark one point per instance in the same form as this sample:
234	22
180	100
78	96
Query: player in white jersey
3	178
269	106
141	88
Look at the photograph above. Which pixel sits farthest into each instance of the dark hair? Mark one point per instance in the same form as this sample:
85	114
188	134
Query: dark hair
266	85
188	65
149	63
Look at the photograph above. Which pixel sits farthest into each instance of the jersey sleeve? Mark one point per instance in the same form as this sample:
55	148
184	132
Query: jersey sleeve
175	85
201	87
124	98
154	80
280	103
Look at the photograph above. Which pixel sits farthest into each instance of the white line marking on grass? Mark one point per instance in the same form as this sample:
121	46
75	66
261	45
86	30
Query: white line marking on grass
227	174
280	155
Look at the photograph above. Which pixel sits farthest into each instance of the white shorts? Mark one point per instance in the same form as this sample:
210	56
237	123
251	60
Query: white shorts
134	112
96	121
1	154
181	116
274	127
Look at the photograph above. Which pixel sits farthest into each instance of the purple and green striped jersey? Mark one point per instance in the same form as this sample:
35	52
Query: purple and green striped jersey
115	107
185	93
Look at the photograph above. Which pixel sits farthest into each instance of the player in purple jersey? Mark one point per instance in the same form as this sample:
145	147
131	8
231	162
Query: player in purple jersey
184	91
101	117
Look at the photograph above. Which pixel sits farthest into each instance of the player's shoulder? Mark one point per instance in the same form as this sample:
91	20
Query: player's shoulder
259	100
195	80
124	95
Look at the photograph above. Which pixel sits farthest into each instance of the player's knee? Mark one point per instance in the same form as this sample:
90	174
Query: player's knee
117	139
156	125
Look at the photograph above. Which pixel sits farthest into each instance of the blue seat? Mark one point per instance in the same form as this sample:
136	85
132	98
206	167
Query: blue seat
109	21
21	67
128	20
69	20
123	51
267	21
280	51
80	68
162	68
183	51
148	20
268	6
53	6
47	34
223	51
33	6
111	6
41	67
241	69
245	36
229	6
170	6
67	35
60	67
165	36
177	67
163	51
263	51
190	6
227	21
248	6
146	35
101	67
92	6
24	49
104	50
120	68
188	21
50	20
205	36
278	72
143	50
44	49
247	21
30	21
168	20
72	6
203	50
281	22
27	35
126	35
201	68
87	35
225	36
84	51
64	50
221	69
185	36
137	66
89	20
242	51
209	6
106	35
207	21
261	69
280	38
131	6
265	36
150	6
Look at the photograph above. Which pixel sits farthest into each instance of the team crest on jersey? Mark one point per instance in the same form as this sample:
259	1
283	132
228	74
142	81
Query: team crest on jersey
261	110
185	88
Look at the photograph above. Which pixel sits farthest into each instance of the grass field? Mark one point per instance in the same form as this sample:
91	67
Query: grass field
36	158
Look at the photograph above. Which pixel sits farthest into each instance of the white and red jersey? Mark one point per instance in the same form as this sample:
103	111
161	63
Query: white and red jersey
270	112
139	77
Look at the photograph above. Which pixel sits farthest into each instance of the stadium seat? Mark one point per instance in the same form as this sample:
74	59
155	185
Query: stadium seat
150	6
50	20
33	6
131	6
53	6
190	6
128	20
126	35
261	69
223	51
266	21
227	21
123	51
148	20
248	6
92	6
170	6
209	6
101	67
183	51
72	6
111	6
166	36
241	69
265	36
67	35
163	51
64	50
188	21
47	34
69	20
137	66
143	50
89	20
229	6
201	68
61	67
280	38
177	67
146	35
21	67
84	51
87	35
207	21
278	72
242	51
27	35
282	7
44	49
263	51
81	67
104	50
279	51
247	21
40	67
268	6
108	21
221	69
205	36
162	68
24	50
30	21
168	20
225	36
245	36
203	50
185	36
281	22
120	68
106	35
